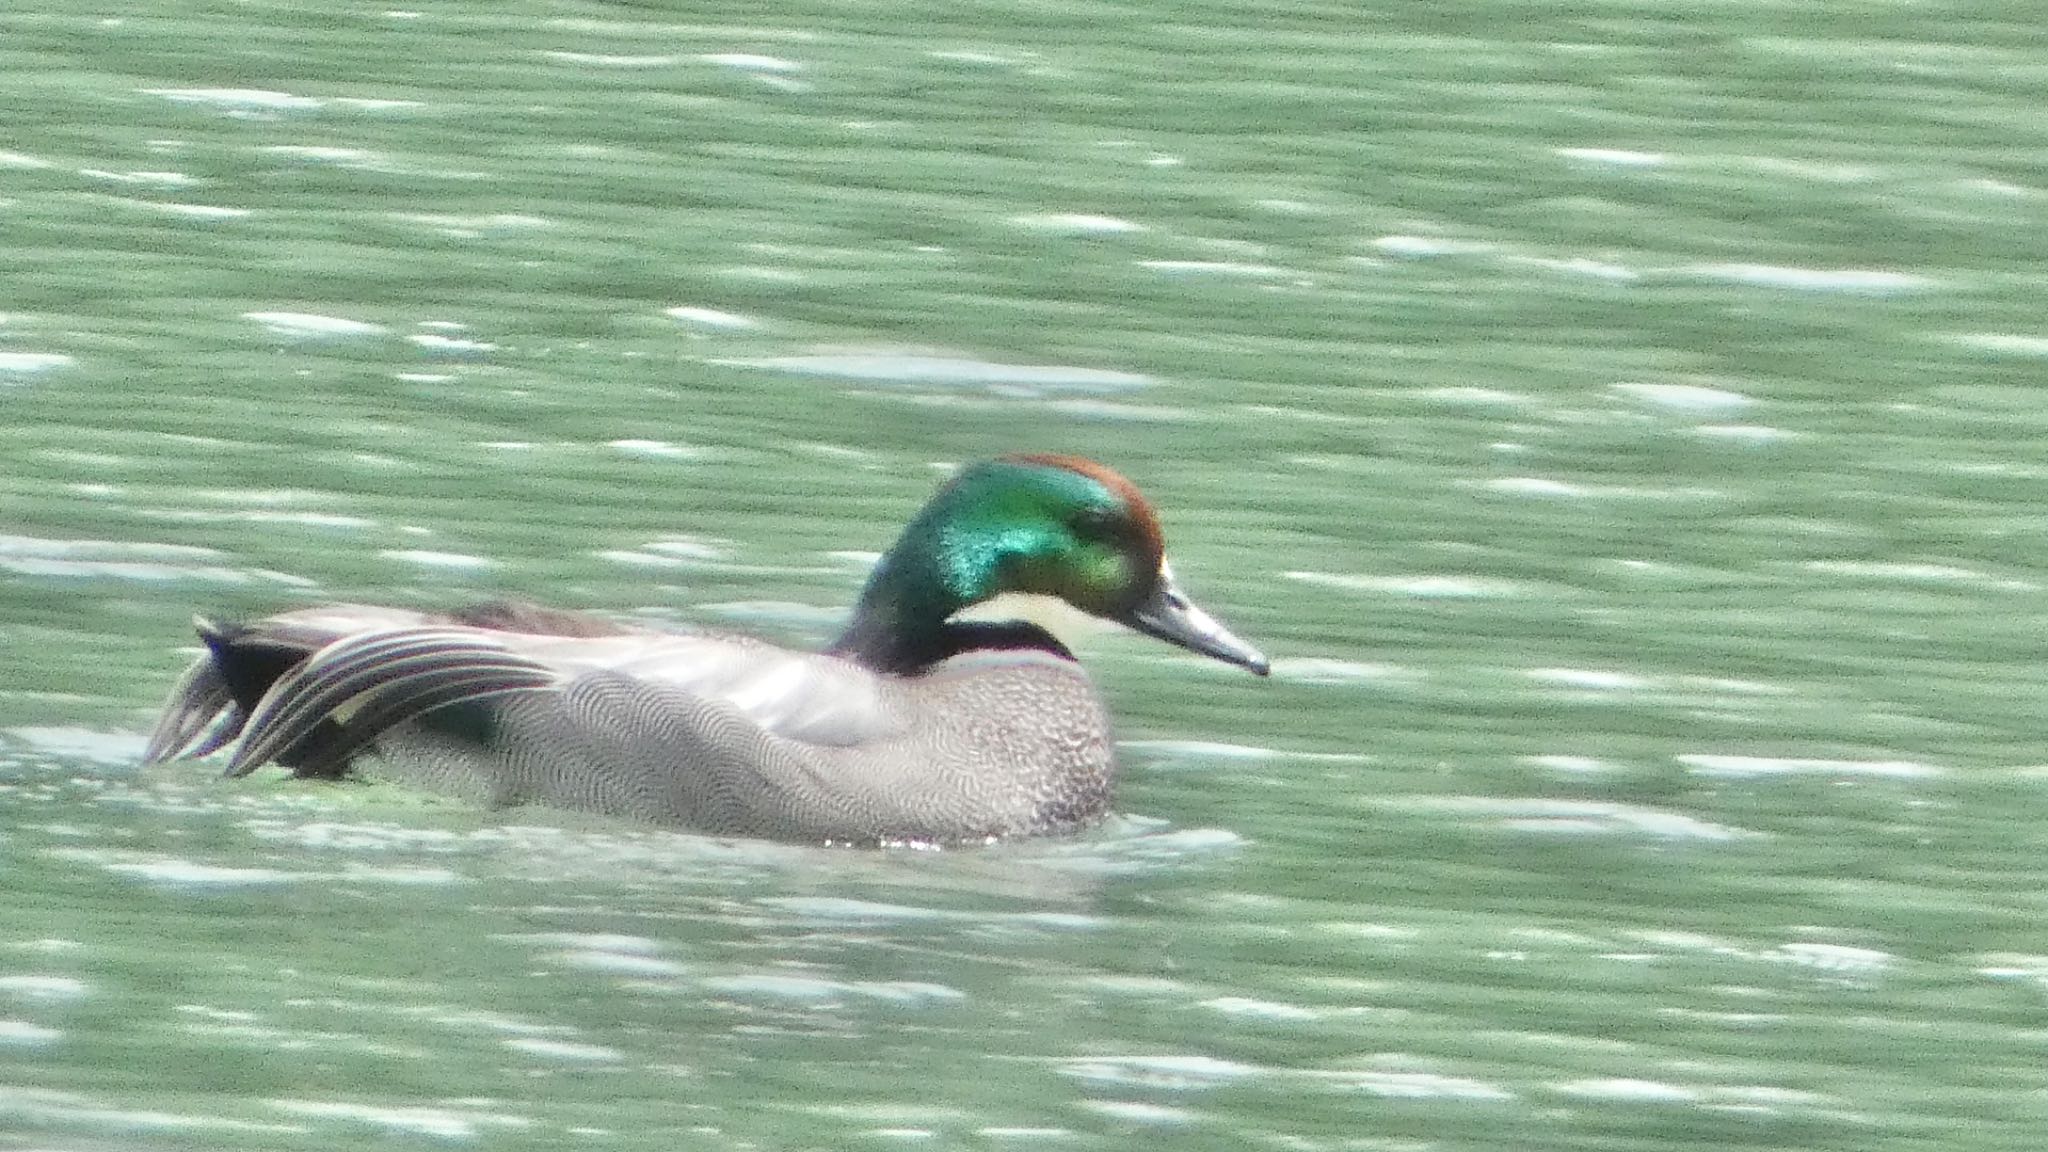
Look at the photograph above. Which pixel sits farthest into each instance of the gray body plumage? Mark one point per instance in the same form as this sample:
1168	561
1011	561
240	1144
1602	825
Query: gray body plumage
715	733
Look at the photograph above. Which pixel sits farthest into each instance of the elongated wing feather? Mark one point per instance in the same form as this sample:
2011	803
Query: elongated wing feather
199	716
401	674
385	710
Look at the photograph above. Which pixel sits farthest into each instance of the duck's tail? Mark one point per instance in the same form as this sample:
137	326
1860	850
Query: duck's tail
296	693
212	702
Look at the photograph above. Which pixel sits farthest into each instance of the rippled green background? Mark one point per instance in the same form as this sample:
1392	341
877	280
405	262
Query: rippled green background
1623	422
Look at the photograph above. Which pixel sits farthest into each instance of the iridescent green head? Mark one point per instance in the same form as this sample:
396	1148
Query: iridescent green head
1051	525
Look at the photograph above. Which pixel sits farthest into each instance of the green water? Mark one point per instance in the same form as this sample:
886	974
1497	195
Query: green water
1622	422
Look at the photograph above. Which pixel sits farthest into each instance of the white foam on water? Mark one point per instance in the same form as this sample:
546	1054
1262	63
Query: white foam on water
195	211
1411	1085
1615	157
815	989
1199	748
1835	958
1169	1073
1260	1009
2006	343
327	154
1576	817
1579	266
809	988
638	559
1599	680
562	1049
472	227
22	1034
613	963
833	909
46	1108
237	99
125	560
311	325
1915	573
1089	408
1744	767
192	874
1627	1090
195	874
657	448
1140	1112
750	62
710	317
592	941
1744	433
444	1123
27	363
44	988
73	743
256	516
1419	247
1467	395
1329	670
1848	281
1577	765
881	367
691	548
1076	223
1234	268
454	561
1420	586
1690	398
160	179
973	56
374	104
1538	486
609	61
841	909
449	345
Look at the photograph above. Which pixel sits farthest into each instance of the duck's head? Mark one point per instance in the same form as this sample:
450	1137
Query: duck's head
1050	525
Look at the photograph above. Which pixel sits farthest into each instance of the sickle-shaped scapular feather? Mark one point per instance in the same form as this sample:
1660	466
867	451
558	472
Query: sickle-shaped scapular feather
397	665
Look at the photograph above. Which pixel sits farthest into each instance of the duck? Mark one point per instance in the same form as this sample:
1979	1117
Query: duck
914	726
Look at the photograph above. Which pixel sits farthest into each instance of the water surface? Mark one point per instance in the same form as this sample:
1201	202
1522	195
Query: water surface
1621	424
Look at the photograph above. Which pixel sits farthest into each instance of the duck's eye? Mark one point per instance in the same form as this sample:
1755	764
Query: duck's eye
1095	526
